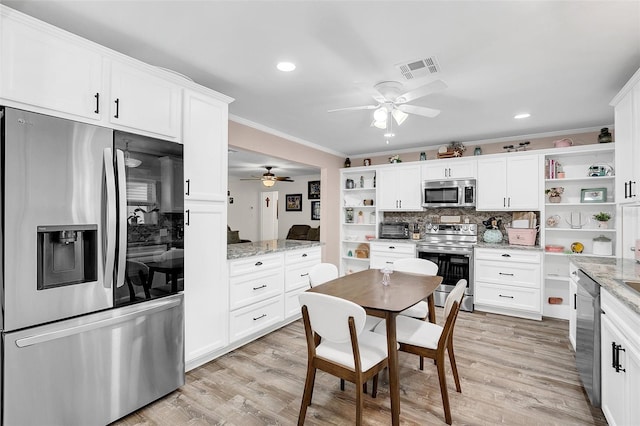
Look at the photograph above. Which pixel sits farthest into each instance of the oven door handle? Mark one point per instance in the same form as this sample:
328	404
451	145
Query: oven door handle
445	249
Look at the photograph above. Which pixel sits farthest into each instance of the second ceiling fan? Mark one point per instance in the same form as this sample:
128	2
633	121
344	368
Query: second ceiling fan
269	179
394	100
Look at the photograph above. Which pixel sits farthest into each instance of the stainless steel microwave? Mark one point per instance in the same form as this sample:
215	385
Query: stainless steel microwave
449	193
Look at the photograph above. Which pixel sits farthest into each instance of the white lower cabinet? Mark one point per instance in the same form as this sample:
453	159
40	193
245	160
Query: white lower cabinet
508	282
296	277
205	282
384	254
255	318
620	362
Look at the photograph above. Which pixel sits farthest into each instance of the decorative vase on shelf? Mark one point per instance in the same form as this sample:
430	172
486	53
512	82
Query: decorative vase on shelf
555	199
603	225
604	136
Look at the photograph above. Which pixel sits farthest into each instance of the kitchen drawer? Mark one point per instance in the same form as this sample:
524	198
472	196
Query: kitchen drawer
308	255
405	249
508	255
255	264
246	321
292	304
504	296
297	277
380	260
511	274
255	287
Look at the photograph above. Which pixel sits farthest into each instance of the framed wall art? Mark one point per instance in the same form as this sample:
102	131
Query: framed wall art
315	210
593	195
314	190
293	202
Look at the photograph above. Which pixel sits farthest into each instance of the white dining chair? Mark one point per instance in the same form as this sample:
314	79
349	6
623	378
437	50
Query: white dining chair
323	272
415	265
432	340
344	348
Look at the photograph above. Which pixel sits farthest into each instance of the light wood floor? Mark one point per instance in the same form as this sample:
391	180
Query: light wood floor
513	372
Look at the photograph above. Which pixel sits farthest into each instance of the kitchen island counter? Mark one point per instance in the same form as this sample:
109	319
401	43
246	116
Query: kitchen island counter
240	250
609	273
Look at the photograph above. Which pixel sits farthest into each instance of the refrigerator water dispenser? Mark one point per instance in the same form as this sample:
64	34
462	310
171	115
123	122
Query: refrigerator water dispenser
66	255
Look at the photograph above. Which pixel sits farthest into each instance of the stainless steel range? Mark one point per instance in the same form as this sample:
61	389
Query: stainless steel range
450	246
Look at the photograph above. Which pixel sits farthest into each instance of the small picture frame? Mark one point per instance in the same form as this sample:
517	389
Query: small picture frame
293	202
593	195
367	161
315	210
314	190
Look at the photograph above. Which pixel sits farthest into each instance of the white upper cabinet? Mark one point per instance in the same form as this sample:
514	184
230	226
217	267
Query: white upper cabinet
205	147
399	188
48	69
449	169
141	100
627	135
508	183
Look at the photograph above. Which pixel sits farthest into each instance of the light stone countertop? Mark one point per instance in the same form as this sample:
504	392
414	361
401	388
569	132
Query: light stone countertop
506	246
610	273
240	250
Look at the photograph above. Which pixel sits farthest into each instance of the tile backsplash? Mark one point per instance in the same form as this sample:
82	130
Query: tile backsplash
473	216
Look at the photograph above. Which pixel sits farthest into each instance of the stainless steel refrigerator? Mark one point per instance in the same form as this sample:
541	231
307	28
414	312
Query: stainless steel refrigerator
92	311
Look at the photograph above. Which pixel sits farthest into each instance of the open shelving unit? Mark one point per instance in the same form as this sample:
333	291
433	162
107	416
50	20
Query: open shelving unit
358	221
575	217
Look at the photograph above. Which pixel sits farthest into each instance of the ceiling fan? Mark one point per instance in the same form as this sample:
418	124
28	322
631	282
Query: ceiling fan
393	100
269	179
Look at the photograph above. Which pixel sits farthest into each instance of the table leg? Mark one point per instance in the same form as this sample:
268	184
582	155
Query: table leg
394	380
431	302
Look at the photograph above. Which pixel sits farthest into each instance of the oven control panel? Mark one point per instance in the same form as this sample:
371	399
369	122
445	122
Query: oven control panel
454	229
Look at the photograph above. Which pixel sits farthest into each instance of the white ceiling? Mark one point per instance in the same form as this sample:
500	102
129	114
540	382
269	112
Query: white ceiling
561	61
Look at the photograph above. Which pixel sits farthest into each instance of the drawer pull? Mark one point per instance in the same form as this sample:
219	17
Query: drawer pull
304	254
304	275
392	248
506	255
258	263
508	297
260	317
262	286
504	273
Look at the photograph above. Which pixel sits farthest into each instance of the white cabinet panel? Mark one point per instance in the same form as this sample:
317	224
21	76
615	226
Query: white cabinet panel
399	188
251	288
510	183
384	254
256	317
48	68
205	279
143	101
205	146
449	169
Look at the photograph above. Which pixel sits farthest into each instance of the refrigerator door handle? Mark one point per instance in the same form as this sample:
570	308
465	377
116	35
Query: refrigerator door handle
58	334
122	218
111	219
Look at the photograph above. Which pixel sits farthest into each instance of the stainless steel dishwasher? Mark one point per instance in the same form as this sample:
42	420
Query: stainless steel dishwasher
588	336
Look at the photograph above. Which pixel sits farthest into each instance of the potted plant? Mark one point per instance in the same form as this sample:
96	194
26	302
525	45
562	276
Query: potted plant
554	194
602	218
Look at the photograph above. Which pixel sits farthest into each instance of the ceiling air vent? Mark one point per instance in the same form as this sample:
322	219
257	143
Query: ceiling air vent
419	68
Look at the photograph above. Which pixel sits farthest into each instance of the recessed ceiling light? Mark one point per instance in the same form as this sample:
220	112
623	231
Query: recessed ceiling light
286	66
523	115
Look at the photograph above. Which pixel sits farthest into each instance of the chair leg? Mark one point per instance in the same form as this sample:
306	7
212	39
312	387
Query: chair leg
443	389
374	390
359	403
454	368
364	387
341	384
308	393
421	363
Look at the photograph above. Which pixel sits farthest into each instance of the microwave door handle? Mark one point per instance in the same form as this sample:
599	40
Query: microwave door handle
110	233
122	219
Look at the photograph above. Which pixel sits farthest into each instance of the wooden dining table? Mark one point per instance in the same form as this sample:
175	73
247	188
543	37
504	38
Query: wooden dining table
386	301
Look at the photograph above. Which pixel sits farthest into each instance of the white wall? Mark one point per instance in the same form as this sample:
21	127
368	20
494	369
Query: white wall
244	214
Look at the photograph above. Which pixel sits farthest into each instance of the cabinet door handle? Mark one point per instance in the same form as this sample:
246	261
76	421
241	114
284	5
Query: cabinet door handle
631	193
258	263
575	301
506	255
504	273
188	217
97	96
259	287
390	263
508	297
626	185
261	316
508	201
504	202
304	275
618	366
188	187
613	354
117	101
392	247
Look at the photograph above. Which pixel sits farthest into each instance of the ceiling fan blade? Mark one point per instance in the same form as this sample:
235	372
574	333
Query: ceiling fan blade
419	110
354	108
284	179
251	178
427	89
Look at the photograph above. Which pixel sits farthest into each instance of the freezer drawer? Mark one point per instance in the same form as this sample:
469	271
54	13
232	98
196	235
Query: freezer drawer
93	369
